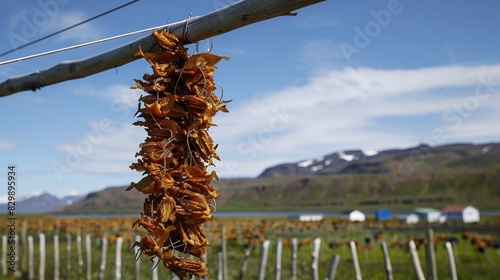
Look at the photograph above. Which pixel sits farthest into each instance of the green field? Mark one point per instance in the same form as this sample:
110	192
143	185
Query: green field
242	232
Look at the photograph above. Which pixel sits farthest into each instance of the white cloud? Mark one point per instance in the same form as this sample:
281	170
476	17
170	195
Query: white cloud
106	147
122	94
351	108
340	109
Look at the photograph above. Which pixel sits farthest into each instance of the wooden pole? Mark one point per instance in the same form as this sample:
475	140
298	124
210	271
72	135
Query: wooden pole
415	260
31	261
17	271
332	269
277	267
224	253
88	256
4	255
104	250
41	269
154	268
263	259
137	265
118	258
355	261
191	30
451	260
56	257
294	258
68	256
244	263
220	271
387	261
79	255
24	247
430	256
205	260
315	258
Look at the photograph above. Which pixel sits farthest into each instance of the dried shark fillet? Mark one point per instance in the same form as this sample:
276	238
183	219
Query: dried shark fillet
176	111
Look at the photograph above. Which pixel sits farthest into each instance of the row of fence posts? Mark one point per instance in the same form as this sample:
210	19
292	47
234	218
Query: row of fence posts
332	269
222	259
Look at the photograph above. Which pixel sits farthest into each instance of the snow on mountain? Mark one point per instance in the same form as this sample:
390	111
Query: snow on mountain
346	157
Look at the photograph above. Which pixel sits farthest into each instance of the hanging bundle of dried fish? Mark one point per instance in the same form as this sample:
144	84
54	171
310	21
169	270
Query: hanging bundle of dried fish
177	112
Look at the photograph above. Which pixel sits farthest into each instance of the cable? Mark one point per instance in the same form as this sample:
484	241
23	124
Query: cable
67	28
77	46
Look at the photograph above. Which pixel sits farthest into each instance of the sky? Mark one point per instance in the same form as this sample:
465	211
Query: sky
338	76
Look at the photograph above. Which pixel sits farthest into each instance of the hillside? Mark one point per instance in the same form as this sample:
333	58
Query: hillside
398	179
422	157
39	202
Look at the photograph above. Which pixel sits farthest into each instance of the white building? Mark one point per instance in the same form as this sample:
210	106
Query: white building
466	214
429	215
354	216
310	217
412	219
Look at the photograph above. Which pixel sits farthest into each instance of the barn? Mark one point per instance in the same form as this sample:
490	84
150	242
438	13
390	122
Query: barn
354	216
429	215
464	213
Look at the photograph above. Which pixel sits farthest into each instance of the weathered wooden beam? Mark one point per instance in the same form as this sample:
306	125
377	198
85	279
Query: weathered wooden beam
191	30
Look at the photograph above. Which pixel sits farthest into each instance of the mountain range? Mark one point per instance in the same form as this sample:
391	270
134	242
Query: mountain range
40	202
358	161
397	178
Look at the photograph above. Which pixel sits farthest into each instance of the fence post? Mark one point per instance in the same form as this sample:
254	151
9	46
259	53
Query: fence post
224	253
332	269
137	264
263	259
31	257
451	260
415	260
41	269
154	269
89	256
56	256
294	259
243	268
104	250
24	246
79	255
118	258
220	271
430	256
68	256
205	260
387	260
315	258
355	261
4	255
279	249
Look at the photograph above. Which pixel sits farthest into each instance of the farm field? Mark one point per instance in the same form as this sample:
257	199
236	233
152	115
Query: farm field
476	248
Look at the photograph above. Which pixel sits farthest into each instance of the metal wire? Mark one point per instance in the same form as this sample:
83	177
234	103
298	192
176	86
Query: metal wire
78	46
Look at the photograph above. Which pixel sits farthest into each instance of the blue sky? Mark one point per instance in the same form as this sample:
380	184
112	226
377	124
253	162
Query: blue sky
340	75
